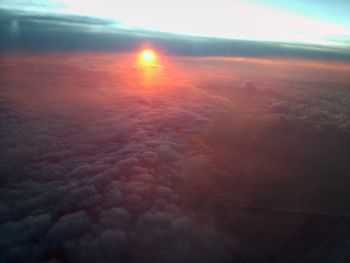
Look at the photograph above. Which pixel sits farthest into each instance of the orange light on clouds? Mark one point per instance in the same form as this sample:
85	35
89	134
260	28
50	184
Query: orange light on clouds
149	69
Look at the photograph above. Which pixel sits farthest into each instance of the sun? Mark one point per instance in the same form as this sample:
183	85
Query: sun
148	56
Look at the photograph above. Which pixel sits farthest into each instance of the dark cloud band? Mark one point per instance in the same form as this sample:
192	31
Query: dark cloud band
45	33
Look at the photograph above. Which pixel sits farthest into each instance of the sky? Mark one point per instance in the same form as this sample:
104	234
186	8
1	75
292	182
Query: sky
317	22
320	25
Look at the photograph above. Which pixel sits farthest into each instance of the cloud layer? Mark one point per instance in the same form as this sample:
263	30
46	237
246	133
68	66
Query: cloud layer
91	160
88	168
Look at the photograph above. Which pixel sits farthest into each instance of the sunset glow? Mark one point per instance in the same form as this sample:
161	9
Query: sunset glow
148	56
174	131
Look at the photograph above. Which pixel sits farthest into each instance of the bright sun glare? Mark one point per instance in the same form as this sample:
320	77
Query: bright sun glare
148	56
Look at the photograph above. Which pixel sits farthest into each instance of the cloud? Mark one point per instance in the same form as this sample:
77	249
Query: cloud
91	180
68	227
114	218
57	33
92	167
16	236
